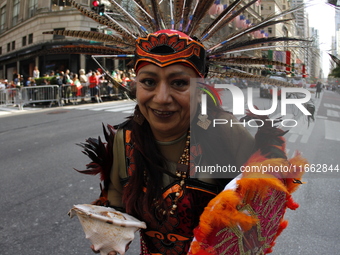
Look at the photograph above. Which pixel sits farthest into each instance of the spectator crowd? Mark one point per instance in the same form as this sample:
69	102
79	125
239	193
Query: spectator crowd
75	86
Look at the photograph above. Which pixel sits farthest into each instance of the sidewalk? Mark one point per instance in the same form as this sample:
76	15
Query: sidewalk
12	109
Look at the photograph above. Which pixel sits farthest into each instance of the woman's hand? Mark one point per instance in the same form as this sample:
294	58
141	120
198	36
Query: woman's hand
110	253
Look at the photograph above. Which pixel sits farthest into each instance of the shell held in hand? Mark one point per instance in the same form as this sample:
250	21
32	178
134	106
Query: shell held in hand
107	229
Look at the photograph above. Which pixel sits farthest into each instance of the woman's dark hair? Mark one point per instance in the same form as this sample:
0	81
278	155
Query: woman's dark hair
151	163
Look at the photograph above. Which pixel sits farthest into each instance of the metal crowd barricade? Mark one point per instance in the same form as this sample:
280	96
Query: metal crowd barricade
9	97
70	94
58	94
38	94
105	90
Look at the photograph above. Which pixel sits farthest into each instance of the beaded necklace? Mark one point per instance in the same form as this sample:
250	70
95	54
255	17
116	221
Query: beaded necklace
183	160
182	173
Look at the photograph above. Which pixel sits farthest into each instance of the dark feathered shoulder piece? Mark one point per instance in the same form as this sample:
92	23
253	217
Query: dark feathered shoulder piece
101	155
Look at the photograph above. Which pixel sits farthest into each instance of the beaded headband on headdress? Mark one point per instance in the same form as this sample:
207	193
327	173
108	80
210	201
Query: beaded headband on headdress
134	24
167	47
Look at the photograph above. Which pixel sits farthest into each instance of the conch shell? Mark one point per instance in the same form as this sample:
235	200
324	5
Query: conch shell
107	229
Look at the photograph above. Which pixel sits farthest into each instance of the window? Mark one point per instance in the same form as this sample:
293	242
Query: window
32	7
2	19
16	11
8	47
30	38
24	41
0	50
58	37
60	5
13	45
270	30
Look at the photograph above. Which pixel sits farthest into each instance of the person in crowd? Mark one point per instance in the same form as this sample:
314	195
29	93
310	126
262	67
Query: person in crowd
131	73
125	79
318	89
103	86
44	82
67	87
89	73
13	92
16	78
36	72
2	85
6	83
21	81
28	82
94	89
83	81
76	88
117	75
59	81
99	74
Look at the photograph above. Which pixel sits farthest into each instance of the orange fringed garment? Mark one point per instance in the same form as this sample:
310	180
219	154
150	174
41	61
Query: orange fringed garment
248	218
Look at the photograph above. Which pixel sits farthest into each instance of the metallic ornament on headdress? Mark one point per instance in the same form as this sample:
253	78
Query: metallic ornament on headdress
167	47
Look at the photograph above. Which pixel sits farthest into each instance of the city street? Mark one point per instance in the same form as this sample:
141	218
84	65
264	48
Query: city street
39	185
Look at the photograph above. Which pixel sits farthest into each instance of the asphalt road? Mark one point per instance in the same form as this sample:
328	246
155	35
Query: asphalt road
38	185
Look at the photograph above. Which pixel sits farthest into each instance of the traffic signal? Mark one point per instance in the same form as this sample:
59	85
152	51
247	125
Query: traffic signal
95	6
101	9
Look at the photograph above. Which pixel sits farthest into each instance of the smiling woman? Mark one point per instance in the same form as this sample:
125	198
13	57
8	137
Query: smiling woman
151	173
154	151
158	186
162	96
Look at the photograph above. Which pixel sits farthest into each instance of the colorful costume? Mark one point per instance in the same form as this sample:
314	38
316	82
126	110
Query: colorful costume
171	233
226	213
249	214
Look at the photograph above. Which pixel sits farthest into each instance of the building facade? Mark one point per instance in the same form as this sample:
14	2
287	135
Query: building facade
284	53
314	59
24	46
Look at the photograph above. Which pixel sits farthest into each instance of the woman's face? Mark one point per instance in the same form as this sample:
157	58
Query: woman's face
163	96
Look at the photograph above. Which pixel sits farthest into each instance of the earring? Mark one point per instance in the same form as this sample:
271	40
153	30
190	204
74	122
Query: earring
203	122
138	117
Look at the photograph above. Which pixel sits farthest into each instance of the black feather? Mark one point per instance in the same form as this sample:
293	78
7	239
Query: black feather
247	43
101	155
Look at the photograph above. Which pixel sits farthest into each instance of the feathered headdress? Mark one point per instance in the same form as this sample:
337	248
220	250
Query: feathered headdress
190	34
335	59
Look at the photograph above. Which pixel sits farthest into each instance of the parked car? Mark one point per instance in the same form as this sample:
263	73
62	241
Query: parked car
299	81
264	90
